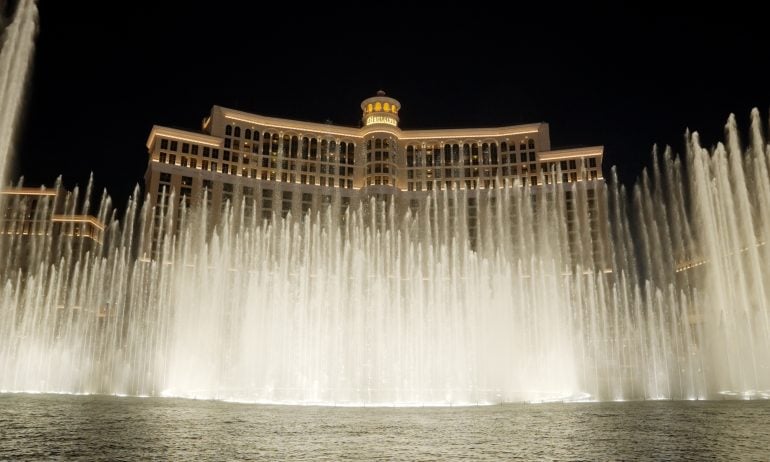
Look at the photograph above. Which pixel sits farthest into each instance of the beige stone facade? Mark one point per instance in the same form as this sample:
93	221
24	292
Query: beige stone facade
284	166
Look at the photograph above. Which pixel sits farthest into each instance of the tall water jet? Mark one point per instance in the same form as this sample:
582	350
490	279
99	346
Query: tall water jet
15	60
371	304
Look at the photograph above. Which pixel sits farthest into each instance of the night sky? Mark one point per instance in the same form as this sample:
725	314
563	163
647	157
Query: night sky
628	82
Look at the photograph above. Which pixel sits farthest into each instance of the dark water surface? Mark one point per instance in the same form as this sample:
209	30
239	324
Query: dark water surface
62	427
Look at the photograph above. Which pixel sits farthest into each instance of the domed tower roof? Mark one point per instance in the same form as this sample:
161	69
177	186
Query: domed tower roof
380	110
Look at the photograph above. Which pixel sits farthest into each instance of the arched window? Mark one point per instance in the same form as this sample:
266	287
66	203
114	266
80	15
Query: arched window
393	109
494	153
378	106
266	144
333	147
247	134
286	144
294	146
343	148
386	107
228	130
369	107
256	135
503	146
385	144
305	143
237	132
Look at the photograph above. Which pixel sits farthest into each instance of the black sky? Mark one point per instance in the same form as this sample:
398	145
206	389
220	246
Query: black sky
104	74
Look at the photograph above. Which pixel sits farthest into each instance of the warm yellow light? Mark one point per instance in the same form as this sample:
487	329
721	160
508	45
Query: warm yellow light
26	192
78	219
386	107
369	107
381	120
378	106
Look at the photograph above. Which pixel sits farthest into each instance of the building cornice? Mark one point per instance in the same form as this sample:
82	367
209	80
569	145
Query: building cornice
572	153
453	133
182	135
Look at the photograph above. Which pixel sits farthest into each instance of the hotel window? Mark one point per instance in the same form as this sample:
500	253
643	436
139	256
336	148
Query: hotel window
255	137
236	144
266	144
166	177
573	164
193	163
174	145
184	161
172	159
592	162
531	144
228	130
215	153
351	152
164	144
237	132
227	143
226	154
162	157
206	151
213	166
247	134
186	148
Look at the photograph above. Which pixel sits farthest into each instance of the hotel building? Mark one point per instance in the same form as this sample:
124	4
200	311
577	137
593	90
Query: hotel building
280	166
39	222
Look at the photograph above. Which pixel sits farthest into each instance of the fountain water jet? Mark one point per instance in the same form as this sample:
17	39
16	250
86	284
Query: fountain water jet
379	306
15	60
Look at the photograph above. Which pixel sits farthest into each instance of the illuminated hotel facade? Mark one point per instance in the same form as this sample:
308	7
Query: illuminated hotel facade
281	166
